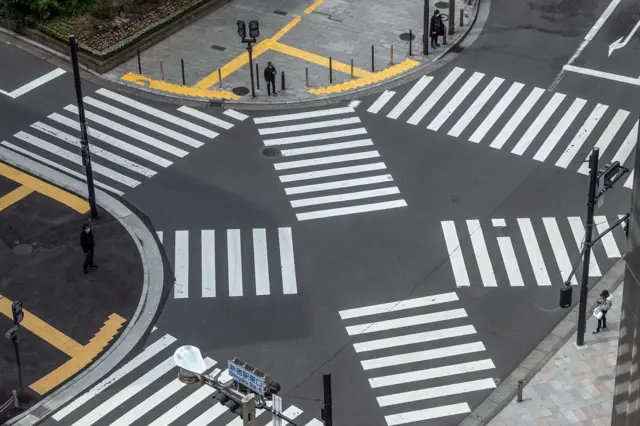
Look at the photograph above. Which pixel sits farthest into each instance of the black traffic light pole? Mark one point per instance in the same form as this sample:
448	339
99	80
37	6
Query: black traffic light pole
86	156
250	50
327	412
425	30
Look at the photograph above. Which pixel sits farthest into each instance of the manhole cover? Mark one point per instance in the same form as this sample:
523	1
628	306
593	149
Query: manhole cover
271	152
22	249
241	91
442	4
477	292
407	36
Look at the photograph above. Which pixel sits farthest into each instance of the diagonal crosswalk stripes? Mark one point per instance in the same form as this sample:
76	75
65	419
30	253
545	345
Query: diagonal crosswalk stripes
325	154
421	357
527	121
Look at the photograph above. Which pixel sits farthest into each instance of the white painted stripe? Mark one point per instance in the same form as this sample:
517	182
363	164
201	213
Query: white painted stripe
338	184
476	107
409	97
315	137
455	253
291	413
381	101
428	355
287	261
413	320
497	111
609	243
427	414
349	196
304	115
482	254
127	393
435	96
261	262
402	305
332	172
432	373
606	137
326	160
455	102
577	227
558	248
129	132
627	146
143	122
326	147
206	418
629	182
184	406
538	124
355	104
234	262
235	114
410	339
533	250
342	211
35	83
579	139
76	159
498	223
517	118
158	113
510	262
208	259
206	117
100	152
309	126
436	392
561	128
150	351
181	286
60	167
160	235
315	422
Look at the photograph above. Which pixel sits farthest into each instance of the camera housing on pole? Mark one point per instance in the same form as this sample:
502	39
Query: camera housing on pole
254	33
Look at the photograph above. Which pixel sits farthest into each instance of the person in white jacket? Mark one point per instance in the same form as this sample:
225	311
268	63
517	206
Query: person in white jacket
604	304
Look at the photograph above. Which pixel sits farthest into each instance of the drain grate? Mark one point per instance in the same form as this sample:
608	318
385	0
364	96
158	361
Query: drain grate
407	36
220	48
280	12
240	91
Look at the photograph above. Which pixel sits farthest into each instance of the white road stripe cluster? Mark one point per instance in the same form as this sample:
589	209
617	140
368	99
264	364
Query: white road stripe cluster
142	391
204	246
318	149
127	141
530	117
530	243
408	377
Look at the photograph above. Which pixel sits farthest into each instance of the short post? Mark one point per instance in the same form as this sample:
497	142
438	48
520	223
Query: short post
257	78
182	65
330	70
306	75
373	65
139	64
461	17
161	71
391	58
444	38
282	75
351	67
410	42
220	77
520	386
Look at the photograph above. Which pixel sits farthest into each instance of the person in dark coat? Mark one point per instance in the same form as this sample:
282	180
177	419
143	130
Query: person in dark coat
436	28
270	73
87	243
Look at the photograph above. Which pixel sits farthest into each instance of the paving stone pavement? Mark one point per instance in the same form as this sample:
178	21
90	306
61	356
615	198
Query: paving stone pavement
340	29
576	386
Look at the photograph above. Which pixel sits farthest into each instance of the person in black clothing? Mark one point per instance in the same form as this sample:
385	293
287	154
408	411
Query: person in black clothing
437	28
87	243
270	77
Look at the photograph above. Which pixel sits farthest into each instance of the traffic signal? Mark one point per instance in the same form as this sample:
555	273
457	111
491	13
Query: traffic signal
610	172
254	29
242	29
565	296
16	310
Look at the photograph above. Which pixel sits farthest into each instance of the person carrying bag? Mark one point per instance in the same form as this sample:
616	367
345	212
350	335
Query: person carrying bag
600	312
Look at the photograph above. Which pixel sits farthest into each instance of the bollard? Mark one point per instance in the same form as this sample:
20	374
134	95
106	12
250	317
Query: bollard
282	74
182	65
161	71
410	42
257	78
444	38
306	75
330	70
351	67
520	386
391	56
16	401
220	77
373	65
461	17
139	64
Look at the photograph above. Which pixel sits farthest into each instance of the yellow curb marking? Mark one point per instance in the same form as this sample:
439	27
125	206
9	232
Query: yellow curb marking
403	66
178	89
80	355
316	4
70	200
317	59
14	196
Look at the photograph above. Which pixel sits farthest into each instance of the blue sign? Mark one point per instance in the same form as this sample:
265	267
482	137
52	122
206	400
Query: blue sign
246	378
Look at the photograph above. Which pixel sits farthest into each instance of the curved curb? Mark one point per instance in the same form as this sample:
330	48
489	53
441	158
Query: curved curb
538	358
148	306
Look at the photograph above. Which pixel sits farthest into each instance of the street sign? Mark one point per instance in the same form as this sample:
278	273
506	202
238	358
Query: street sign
247	378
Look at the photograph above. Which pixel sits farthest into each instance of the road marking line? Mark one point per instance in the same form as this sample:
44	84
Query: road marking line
510	262
316	4
160	235
410	321
583	134
181	408
340	184
409	97
326	147
326	160
538	124
287	261
533	250
14	196
206	117
234	262
561	128
332	172
309	126
455	101
427	355
317	59
304	115
349	196
602	74
70	200
482	254
627	146
629	182
181	286
235	114
362	208
208	259
427	414
455	253
435	96
606	137
315	137
577	227
261	262
558	248
292	412
476	107
384	308
381	101
432	373
411	339
34	83
491	119
206	418
609	243
436	392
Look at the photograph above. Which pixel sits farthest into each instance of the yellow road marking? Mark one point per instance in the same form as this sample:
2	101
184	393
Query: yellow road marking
403	66
14	196
70	200
314	6
178	89
319	60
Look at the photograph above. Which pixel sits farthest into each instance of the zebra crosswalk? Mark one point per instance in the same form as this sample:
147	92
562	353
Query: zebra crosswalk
528	121
329	148
146	390
421	357
129	140
525	251
249	263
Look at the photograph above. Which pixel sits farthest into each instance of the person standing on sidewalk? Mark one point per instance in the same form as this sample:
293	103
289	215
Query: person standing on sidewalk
604	304
437	28
87	243
270	73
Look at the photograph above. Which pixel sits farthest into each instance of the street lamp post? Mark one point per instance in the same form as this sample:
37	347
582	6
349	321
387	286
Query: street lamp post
254	33
452	15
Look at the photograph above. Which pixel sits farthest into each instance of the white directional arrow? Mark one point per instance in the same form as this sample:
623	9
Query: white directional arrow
622	41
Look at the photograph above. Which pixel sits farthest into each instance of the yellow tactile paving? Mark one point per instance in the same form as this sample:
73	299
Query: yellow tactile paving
317	59
178	89
316	4
70	200
14	196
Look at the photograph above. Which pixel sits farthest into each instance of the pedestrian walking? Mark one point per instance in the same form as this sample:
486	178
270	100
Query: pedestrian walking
604	304
437	28
270	73
88	244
